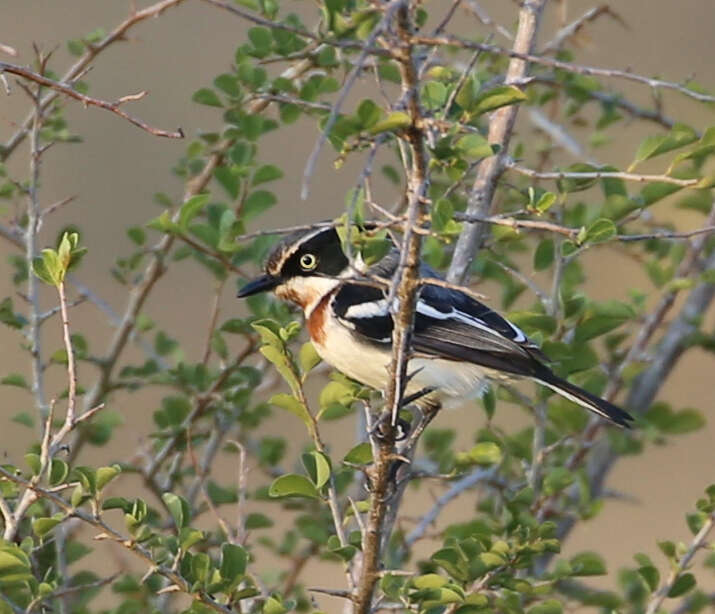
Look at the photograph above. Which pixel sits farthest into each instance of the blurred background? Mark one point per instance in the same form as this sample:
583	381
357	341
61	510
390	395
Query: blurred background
117	169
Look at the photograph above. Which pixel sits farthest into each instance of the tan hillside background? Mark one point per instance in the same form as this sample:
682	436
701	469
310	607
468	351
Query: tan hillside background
118	168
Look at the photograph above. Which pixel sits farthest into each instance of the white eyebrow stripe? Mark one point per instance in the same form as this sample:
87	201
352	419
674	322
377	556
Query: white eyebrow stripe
427	310
294	248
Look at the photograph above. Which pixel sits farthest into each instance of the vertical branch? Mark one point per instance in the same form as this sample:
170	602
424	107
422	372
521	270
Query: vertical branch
33	219
71	368
501	127
405	285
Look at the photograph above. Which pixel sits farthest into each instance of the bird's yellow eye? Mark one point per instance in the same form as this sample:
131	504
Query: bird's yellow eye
308	262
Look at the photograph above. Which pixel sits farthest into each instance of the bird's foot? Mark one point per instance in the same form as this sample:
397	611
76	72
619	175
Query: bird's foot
382	428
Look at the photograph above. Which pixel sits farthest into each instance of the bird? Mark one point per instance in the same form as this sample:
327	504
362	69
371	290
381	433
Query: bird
459	346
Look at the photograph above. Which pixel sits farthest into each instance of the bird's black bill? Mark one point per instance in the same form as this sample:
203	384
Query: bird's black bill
264	283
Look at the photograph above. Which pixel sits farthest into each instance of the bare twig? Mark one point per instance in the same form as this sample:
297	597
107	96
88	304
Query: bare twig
68	90
566	66
560	175
71	368
459	487
570	30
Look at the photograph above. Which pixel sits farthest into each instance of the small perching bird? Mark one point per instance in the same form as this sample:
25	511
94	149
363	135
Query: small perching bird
459	345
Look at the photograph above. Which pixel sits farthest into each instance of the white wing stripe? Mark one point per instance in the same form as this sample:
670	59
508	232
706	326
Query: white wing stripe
427	310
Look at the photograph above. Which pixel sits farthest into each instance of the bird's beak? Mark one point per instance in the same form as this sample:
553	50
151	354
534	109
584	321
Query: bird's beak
260	284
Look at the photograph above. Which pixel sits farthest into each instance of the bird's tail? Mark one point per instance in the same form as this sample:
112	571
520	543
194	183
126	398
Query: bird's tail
603	408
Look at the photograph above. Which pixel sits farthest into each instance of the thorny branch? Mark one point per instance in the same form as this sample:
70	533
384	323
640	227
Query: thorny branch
405	290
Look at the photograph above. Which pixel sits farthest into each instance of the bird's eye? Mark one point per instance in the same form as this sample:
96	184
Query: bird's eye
308	262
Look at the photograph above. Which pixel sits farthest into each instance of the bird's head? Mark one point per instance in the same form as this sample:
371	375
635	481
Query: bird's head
303	267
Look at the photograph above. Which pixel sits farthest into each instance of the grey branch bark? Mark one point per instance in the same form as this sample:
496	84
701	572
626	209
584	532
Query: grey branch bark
500	131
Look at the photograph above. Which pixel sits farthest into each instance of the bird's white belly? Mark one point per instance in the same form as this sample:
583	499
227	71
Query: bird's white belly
369	364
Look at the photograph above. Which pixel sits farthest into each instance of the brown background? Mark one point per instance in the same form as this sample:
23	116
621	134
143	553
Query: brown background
115	172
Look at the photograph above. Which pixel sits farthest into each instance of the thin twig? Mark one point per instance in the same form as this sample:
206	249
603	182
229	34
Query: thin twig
593	71
68	90
560	175
459	487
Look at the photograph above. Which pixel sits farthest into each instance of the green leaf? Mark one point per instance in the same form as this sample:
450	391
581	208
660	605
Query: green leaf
651	575
106	475
557	479
545	202
207	96
434	94
308	358
442	214
544	254
258	202
33	462
294	406
484	453
59	470
474	146
394	121
8	315
258	521
262	40
495	98
682	585
667	547
189	537
282	364
178	508
430	580
273	605
453	562
680	135
163	223
15	379
266	173
368	114
361	454
233	562
191	208
601	230
293	485
588	564
317	465
550	606
42	526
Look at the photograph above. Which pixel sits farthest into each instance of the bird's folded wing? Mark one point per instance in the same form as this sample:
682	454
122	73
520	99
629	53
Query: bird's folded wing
448	324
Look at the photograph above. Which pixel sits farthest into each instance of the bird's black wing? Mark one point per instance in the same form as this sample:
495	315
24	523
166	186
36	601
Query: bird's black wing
449	324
